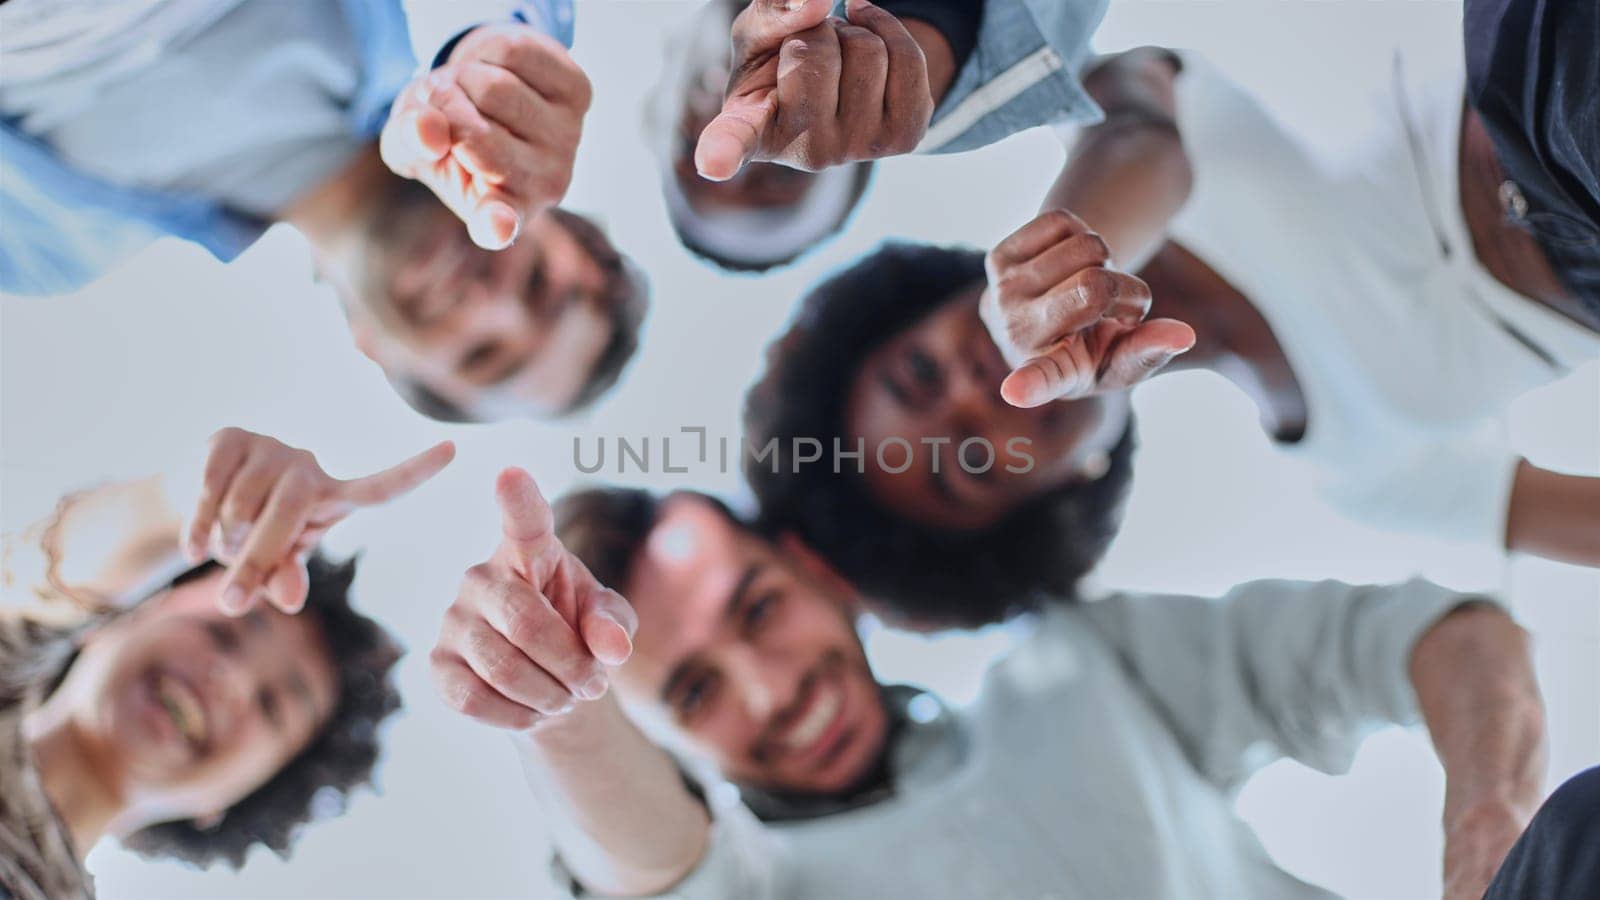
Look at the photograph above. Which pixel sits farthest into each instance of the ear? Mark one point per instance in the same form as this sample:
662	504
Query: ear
813	564
208	821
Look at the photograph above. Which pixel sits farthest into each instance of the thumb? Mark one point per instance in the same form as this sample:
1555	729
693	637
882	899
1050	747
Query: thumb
607	623
762	26
1145	351
734	135
413	140
493	224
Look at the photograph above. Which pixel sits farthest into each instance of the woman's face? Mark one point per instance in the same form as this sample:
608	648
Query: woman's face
936	387
190	710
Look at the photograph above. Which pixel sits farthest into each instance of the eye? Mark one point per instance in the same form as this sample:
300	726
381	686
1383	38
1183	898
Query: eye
222	636
697	695
924	371
759	610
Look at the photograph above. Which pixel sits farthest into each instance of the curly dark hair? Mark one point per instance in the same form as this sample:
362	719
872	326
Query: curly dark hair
911	571
318	782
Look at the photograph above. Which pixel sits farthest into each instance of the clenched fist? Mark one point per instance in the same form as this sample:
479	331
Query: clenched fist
1069	324
264	505
812	91
531	633
494	131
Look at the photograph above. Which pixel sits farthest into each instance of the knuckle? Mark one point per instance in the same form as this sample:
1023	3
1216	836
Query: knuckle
1058	217
501	88
1095	246
1010	286
522	626
439	660
1099	285
583	93
501	669
224	436
467	700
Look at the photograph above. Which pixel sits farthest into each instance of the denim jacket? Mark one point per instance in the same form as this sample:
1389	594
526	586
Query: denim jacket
1023	73
61	228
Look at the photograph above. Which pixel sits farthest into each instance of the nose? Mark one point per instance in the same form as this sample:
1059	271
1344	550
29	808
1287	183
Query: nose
762	681
972	400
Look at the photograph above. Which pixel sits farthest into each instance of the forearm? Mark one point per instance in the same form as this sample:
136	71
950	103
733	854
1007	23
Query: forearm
1554	515
1129	175
622	819
1474	681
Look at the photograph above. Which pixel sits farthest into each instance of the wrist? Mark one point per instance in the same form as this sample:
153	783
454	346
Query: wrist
580	733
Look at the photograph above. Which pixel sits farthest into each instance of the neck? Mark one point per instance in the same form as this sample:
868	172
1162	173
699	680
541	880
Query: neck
71	774
334	215
1510	254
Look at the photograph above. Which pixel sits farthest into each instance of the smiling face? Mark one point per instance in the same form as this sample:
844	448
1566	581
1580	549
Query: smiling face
190	710
517	331
752	653
940	378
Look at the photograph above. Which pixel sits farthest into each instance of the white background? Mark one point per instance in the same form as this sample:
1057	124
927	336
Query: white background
132	375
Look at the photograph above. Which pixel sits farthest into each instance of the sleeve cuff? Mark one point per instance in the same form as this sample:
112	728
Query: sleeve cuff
1418	606
739	861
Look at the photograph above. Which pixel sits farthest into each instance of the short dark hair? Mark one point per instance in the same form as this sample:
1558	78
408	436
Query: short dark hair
927	575
706	254
339	758
625	308
605	527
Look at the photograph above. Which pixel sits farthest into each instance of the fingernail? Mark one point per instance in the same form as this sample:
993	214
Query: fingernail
233	600
594	688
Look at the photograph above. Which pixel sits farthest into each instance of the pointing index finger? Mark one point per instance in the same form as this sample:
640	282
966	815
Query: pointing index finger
398	479
526	522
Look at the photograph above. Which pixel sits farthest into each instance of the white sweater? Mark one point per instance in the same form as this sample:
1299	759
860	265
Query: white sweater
1408	351
1101	757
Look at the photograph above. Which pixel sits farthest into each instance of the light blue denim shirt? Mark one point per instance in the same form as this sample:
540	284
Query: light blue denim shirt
1022	73
63	227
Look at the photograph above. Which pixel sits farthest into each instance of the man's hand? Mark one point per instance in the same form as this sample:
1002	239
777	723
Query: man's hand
811	91
494	131
264	505
1477	838
531	632
1068	323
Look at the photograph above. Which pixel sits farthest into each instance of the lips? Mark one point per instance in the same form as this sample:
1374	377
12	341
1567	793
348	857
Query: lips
826	702
184	707
816	728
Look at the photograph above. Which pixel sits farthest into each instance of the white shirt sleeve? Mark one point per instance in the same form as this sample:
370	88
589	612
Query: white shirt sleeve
741	860
1455	487
1276	668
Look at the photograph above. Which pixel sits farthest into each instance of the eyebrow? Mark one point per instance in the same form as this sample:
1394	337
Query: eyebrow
735	599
